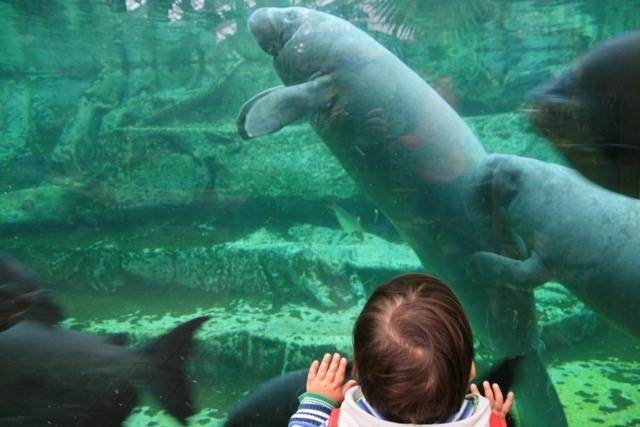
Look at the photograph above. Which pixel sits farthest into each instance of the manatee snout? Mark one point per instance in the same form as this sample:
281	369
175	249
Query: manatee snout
273	27
265	32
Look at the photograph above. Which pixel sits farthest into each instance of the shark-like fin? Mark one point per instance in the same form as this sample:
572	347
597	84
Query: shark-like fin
168	355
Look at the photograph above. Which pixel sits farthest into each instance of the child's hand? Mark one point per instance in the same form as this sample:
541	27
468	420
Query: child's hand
326	378
499	406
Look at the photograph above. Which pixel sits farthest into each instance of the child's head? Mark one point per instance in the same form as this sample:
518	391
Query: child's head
413	350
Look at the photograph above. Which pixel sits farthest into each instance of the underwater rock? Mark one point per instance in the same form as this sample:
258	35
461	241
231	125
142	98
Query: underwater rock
15	125
600	390
564	321
144	416
75	149
313	264
295	165
155	173
277	268
163	179
262	337
206	172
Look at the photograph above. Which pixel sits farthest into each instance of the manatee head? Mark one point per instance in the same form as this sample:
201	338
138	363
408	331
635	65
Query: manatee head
302	41
274	27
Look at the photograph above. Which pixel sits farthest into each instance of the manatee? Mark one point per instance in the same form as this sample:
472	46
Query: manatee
412	154
592	114
575	232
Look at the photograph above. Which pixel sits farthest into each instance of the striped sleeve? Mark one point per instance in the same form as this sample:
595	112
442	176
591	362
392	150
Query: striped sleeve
314	411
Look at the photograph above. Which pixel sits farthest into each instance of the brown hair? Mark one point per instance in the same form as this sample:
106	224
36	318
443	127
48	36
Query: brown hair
413	350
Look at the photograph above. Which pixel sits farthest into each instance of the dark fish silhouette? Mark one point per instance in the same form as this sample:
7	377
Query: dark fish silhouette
53	376
271	404
14	303
21	297
592	114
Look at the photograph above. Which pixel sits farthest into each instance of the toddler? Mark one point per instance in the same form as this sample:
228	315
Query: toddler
413	361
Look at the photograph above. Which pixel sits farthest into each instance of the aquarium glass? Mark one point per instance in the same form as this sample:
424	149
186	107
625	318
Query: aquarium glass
140	189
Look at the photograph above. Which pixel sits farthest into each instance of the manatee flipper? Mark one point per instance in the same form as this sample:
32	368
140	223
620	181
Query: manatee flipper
273	109
491	268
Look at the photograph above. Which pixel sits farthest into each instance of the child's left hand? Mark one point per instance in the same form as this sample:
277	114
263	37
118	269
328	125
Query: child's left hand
326	378
499	405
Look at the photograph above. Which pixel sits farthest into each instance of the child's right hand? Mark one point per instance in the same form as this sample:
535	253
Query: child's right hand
499	406
326	378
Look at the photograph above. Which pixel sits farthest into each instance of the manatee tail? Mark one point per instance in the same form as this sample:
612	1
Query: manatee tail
168	356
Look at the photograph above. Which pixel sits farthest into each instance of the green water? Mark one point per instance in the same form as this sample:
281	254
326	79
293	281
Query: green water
125	186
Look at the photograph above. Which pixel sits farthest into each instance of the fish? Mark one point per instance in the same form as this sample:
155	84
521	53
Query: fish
591	114
270	404
349	223
51	375
54	376
14	303
21	297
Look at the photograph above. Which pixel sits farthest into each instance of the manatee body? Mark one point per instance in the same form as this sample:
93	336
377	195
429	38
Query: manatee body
410	152
592	114
575	232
